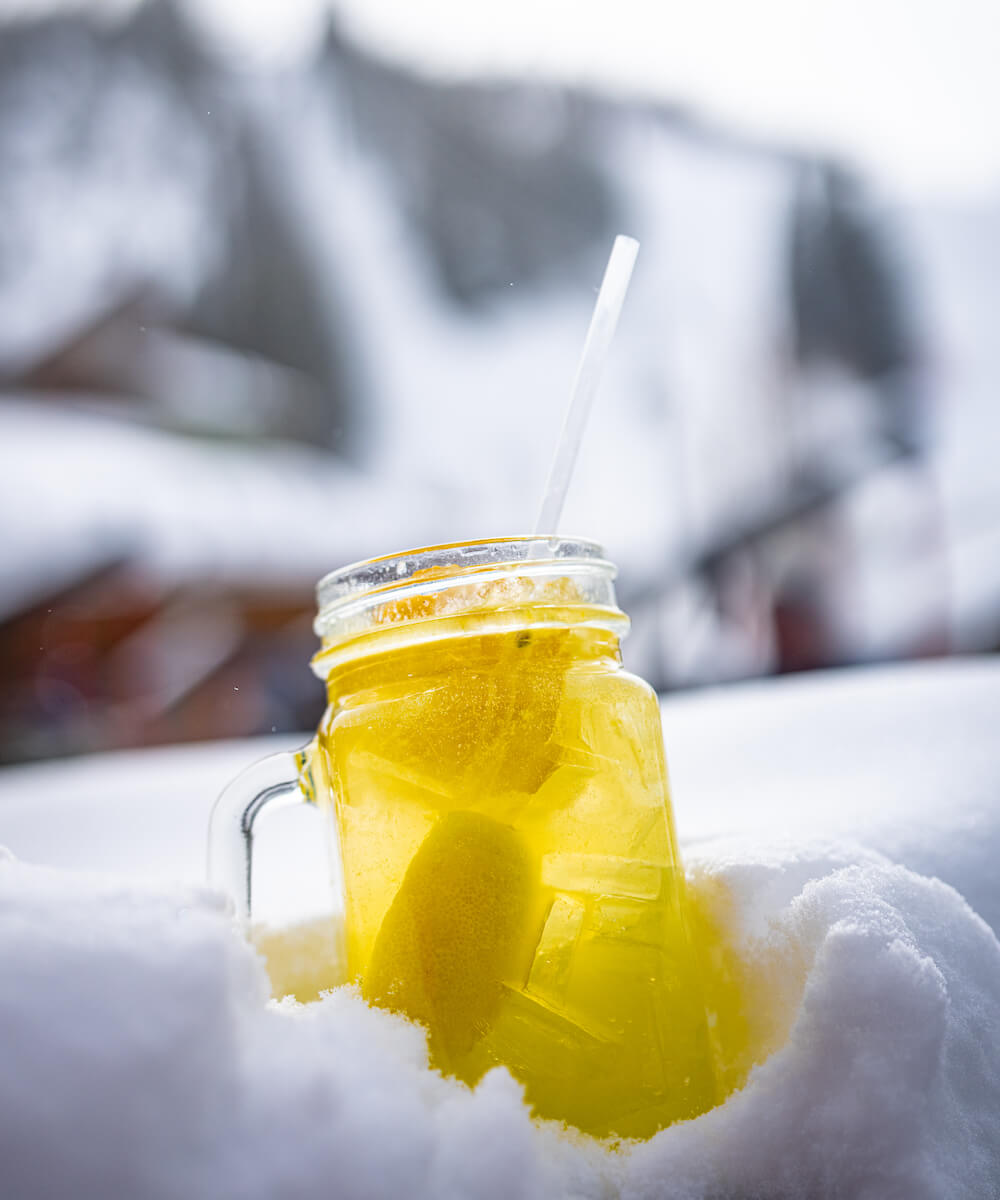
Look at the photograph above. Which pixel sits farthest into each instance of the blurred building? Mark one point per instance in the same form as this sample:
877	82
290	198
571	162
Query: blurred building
338	308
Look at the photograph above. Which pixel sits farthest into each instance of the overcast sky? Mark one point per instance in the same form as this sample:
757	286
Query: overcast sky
908	87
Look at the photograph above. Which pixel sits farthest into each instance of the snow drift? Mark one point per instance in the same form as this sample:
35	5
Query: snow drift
141	1056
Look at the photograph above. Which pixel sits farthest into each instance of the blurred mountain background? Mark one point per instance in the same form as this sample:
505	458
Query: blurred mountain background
262	316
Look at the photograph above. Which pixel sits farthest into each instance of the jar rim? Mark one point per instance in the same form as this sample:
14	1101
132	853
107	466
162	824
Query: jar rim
472	580
456	558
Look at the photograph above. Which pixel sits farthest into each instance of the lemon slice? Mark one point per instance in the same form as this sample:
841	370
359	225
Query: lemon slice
464	921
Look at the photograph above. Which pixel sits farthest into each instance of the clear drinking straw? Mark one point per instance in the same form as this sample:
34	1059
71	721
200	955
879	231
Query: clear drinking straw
588	375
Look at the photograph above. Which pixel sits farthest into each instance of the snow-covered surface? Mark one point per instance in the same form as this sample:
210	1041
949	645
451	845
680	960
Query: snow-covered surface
77	490
904	760
141	1058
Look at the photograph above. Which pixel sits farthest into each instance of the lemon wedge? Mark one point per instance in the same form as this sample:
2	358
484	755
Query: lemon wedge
464	922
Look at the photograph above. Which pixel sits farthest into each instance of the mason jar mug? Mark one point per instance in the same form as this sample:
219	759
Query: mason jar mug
497	789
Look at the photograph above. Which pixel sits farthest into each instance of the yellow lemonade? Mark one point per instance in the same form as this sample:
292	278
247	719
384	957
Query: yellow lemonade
510	865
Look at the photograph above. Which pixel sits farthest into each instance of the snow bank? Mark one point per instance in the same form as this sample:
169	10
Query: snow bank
879	992
140	1057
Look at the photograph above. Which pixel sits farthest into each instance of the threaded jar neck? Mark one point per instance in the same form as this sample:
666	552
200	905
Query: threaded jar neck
445	591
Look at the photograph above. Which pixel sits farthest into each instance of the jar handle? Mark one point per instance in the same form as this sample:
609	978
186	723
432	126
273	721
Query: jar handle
274	782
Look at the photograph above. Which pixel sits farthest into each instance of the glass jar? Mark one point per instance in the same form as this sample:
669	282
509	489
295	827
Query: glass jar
498	789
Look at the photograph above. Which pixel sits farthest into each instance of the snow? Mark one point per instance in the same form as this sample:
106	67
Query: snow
141	1056
141	1059
903	760
888	1082
698	419
777	71
78	490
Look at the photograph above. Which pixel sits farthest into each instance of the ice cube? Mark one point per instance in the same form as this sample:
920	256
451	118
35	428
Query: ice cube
617	918
537	1042
603	875
405	779
553	961
581	756
647	832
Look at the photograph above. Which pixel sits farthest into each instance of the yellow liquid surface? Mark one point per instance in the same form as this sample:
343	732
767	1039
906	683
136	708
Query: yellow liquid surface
511	874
